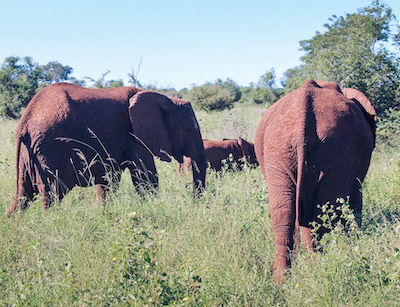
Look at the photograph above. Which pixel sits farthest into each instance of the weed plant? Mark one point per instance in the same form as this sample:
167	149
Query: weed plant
171	249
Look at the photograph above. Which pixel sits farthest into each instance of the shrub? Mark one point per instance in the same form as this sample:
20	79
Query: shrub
138	276
211	97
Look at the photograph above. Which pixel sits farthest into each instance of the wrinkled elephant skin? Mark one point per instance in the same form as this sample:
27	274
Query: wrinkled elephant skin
314	146
73	136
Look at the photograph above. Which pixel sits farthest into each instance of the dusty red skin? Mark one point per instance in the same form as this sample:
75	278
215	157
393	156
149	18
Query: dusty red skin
217	151
313	145
73	136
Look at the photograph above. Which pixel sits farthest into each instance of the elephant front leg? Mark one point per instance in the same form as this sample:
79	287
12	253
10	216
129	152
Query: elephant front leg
143	173
103	189
144	179
283	214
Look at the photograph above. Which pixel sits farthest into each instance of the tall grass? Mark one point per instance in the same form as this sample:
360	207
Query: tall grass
172	249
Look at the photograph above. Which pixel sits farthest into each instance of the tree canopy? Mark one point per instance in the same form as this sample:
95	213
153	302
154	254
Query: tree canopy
354	52
21	78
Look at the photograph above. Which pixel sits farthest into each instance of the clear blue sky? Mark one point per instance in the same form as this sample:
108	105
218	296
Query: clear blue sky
180	42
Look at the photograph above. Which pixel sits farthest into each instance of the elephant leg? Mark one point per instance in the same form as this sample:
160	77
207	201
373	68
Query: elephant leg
25	194
355	200
140	163
51	193
25	191
103	189
283	213
52	186
307	238
144	176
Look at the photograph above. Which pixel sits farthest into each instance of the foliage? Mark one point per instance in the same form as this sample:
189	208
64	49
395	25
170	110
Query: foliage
76	81
388	128
354	53
55	72
215	96
102	83
19	80
22	78
133	76
263	92
137	276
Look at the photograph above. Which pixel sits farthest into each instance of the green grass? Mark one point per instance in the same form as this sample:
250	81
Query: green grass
172	249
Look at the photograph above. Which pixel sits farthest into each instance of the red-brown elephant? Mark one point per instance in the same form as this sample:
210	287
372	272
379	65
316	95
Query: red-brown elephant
314	146
73	136
218	151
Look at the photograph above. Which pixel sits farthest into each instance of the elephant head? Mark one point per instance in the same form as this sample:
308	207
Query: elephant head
168	127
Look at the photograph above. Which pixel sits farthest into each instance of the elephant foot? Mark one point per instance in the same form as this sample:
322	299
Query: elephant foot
10	210
280	268
22	202
307	238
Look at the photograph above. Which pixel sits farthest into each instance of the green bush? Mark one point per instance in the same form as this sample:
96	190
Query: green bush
212	97
138	277
388	128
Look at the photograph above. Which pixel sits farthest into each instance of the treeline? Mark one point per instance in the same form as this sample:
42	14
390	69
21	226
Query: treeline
358	50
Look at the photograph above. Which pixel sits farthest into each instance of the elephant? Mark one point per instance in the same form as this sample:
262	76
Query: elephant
217	151
314	147
73	136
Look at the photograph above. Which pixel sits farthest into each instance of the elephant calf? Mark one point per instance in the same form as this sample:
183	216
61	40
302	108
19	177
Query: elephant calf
218	151
314	146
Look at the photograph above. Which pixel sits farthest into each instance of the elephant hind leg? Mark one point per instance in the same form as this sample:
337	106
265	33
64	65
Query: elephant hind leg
25	191
355	200
283	215
307	238
52	187
24	196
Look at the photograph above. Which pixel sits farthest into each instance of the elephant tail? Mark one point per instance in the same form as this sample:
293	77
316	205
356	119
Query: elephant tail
301	152
306	141
17	160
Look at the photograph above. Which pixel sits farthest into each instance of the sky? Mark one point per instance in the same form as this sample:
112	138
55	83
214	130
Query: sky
175	43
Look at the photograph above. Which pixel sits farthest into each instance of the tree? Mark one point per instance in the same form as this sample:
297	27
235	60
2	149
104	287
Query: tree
133	78
353	52
76	81
232	86
55	72
19	80
102	83
22	78
264	91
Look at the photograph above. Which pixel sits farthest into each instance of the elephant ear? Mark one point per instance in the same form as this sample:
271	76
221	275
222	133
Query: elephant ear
147	111
366	107
352	93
